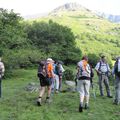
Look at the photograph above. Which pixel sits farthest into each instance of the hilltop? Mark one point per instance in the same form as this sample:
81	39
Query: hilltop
94	34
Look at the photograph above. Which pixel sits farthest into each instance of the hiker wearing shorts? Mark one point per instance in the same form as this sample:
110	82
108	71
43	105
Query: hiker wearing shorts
116	72
103	71
83	85
2	70
47	68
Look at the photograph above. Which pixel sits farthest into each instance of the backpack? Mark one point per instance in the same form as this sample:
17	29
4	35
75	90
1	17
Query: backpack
42	70
117	69
91	72
100	67
84	69
56	69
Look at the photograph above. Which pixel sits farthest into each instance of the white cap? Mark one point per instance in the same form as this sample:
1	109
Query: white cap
49	59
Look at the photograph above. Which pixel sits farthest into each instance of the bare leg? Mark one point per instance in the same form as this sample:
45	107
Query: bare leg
49	91
42	91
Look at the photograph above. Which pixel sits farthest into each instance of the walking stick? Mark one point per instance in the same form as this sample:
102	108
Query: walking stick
93	90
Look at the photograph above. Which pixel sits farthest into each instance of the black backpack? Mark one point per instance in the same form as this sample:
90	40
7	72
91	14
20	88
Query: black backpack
116	70
42	71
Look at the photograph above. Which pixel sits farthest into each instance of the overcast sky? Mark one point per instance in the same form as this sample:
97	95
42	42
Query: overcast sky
29	7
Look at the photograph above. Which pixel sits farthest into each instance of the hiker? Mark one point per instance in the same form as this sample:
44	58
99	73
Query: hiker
103	71
116	72
45	74
83	84
56	78
2	70
60	72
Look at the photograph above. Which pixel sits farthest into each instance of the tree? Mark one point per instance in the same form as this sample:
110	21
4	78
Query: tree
11	30
55	40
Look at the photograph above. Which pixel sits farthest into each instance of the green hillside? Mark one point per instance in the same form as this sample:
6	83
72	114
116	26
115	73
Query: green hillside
93	34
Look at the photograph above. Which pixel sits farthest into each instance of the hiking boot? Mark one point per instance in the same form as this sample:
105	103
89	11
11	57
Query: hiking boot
39	102
115	102
47	100
86	106
56	91
109	96
80	108
101	95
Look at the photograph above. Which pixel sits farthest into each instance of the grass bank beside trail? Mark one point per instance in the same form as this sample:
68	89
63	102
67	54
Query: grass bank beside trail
18	104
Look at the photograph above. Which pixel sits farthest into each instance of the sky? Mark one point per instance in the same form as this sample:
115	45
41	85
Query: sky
30	7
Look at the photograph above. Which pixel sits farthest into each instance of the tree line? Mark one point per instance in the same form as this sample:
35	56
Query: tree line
23	44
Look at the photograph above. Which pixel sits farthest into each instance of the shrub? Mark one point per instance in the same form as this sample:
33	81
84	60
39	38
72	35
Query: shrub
68	75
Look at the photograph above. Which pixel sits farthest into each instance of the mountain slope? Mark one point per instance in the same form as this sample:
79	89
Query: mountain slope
94	34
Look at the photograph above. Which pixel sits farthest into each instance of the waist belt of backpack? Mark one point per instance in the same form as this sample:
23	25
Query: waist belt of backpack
104	73
84	78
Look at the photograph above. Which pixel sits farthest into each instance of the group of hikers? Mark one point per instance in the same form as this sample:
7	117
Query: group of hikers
50	74
85	74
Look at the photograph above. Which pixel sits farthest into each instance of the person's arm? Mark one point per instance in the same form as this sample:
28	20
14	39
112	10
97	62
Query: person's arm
97	68
113	70
62	69
109	70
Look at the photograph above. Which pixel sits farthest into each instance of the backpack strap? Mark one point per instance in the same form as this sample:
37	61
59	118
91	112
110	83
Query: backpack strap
99	65
107	67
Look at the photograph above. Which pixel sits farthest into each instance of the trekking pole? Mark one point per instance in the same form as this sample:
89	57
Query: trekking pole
93	90
113	86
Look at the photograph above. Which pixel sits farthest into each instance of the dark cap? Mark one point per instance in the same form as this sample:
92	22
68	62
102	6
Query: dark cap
84	58
103	56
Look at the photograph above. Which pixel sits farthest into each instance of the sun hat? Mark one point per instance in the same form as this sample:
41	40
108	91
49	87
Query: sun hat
49	59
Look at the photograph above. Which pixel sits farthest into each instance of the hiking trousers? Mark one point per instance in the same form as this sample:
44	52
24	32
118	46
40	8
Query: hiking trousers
83	87
55	82
117	89
104	79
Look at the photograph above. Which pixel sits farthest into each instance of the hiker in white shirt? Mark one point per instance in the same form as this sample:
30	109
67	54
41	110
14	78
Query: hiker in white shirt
103	71
2	70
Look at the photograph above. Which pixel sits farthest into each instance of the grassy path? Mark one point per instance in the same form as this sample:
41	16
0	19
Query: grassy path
18	104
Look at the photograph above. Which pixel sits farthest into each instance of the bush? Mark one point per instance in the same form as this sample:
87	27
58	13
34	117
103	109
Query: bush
68	75
93	59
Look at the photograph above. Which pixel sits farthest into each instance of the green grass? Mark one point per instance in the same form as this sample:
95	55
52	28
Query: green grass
18	104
